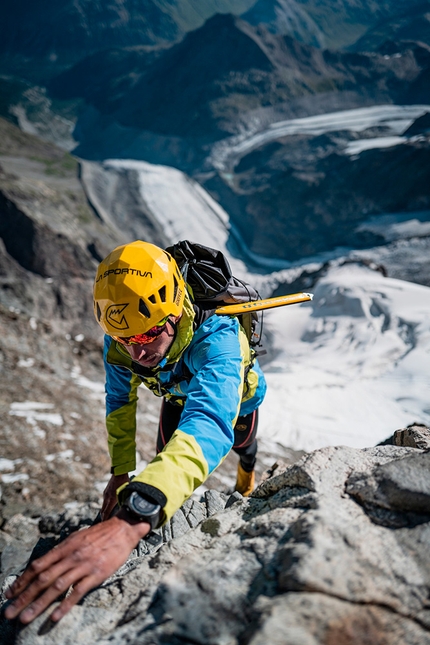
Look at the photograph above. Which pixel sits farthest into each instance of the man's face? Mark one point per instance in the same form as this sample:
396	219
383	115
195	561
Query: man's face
150	354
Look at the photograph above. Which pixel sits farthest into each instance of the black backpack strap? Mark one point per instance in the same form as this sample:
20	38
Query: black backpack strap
201	314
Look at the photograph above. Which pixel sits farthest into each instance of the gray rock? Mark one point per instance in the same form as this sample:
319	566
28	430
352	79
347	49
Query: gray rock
401	485
416	435
17	540
313	619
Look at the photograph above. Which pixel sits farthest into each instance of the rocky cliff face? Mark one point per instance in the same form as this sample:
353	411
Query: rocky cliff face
333	550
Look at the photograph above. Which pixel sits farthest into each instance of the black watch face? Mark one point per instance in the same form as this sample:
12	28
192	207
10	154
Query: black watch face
141	506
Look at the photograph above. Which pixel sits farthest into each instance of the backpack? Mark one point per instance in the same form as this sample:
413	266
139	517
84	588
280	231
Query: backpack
211	284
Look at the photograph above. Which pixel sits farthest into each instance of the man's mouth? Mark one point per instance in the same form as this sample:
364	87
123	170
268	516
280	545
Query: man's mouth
150	361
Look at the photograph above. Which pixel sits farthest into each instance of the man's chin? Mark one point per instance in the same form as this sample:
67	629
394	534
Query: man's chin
150	361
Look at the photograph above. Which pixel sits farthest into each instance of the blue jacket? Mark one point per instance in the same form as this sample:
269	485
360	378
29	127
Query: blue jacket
210	372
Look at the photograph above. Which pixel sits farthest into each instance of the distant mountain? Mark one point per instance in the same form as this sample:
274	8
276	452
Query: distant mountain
411	25
64	31
286	17
328	24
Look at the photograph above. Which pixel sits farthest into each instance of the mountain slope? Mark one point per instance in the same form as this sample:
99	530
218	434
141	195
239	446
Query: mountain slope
50	241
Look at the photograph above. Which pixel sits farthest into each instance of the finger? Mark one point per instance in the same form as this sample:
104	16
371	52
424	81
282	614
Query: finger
42	581
41	572
35	569
79	590
60	585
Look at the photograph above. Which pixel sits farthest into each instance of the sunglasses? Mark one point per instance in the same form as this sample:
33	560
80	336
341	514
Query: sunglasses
143	339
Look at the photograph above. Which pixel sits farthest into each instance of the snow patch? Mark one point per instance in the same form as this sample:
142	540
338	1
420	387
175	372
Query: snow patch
15	477
64	455
355	147
96	387
179	204
30	411
9	464
399	226
26	362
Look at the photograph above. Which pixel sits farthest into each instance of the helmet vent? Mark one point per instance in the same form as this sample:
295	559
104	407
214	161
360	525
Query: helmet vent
162	294
98	312
175	288
143	309
152	299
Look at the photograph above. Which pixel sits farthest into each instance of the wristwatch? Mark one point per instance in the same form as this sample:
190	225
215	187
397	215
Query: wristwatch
142	509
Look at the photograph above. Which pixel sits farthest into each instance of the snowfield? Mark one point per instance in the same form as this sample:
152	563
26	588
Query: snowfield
352	366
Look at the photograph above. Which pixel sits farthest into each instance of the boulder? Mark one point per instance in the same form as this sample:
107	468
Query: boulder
416	435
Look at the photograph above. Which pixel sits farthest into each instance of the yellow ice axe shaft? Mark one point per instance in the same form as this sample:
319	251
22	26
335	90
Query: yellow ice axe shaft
268	303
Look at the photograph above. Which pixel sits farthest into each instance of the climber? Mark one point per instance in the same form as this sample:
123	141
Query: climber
144	308
211	387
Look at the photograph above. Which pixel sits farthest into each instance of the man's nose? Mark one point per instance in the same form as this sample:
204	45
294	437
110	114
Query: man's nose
136	351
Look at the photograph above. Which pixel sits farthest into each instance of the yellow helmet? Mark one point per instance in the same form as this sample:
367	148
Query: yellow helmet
136	286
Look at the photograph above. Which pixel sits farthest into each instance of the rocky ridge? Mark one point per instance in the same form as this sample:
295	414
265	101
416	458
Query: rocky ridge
331	550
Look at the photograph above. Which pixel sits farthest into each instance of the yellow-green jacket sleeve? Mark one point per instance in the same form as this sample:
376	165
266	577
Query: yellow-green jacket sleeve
121	401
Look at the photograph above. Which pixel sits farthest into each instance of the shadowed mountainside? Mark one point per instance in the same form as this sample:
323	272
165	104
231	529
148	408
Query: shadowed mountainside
292	207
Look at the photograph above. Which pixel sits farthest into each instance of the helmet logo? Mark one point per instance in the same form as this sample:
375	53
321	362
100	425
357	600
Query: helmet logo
115	317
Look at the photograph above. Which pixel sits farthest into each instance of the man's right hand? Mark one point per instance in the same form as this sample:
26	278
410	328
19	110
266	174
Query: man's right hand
82	561
109	495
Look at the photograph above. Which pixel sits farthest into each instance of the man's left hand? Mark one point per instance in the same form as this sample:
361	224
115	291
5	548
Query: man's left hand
85	560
